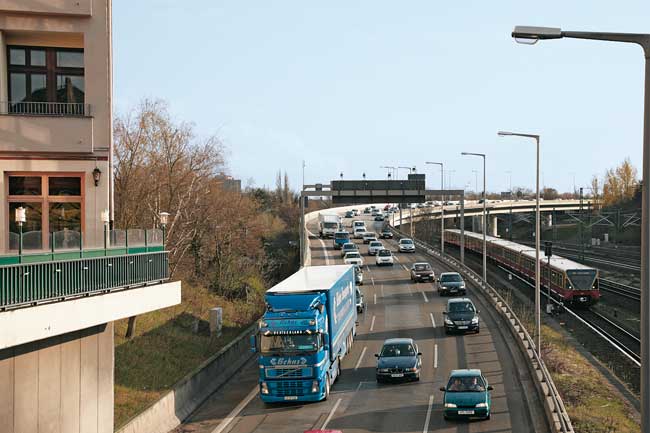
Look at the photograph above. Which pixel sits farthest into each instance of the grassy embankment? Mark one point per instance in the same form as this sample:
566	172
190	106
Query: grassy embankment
164	348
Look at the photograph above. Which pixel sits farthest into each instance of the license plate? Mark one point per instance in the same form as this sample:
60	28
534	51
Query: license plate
462	327
291	397
397	375
465	412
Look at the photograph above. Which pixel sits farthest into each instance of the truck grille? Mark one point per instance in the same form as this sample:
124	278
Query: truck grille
289	387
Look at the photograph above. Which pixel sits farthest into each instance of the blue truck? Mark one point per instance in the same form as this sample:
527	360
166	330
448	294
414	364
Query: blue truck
307	329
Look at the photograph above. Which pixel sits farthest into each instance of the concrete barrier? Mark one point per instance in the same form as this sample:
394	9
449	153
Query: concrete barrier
188	393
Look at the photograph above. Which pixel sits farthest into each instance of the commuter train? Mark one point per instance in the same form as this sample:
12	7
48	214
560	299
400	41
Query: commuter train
571	282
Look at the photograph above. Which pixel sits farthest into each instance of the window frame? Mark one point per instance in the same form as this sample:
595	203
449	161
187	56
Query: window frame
51	71
44	199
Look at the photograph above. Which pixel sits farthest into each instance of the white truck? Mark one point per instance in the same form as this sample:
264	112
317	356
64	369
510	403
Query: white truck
328	224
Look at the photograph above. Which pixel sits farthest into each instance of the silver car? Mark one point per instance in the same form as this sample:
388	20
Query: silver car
374	246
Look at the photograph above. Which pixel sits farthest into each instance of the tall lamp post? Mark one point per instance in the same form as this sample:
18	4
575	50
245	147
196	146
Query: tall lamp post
531	35
442	205
20	218
482	155
164	217
538	235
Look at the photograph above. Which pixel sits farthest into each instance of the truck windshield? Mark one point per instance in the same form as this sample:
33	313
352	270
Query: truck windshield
289	343
581	279
330	225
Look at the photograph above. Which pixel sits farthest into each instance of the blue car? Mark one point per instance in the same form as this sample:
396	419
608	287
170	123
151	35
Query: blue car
399	359
467	395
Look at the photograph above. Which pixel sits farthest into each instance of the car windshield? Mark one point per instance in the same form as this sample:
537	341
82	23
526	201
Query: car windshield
385	231
450	278
384	253
375	244
461	307
349	247
422	267
401	349
289	343
343	235
406	241
466	384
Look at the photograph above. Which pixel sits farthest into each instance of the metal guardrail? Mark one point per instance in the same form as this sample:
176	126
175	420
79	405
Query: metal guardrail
558	409
33	283
72	109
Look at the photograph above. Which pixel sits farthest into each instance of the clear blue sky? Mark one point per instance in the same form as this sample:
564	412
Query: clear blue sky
350	86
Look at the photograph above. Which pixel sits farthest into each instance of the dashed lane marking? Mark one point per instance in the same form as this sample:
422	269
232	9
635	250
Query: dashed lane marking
428	418
363	352
435	356
235	412
425	297
329	417
372	324
433	321
375	296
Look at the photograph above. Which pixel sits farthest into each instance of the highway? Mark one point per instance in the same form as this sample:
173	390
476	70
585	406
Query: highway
396	307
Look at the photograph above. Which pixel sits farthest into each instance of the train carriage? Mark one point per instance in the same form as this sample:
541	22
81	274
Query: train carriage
571	282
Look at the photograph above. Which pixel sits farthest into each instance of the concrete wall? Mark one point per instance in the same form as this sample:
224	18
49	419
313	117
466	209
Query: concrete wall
62	384
68	7
194	389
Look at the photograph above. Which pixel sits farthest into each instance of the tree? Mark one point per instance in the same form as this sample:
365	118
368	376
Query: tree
595	188
549	193
620	184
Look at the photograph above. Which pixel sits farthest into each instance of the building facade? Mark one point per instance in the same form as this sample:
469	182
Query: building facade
64	276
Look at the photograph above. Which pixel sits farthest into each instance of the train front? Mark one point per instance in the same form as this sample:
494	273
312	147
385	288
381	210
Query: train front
582	284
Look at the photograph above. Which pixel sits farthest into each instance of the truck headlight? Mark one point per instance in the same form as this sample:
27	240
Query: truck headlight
315	387
474	320
264	388
481	405
450	405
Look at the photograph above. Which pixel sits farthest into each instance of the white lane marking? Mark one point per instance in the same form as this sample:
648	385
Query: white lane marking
433	321
368	268
428	418
235	412
372	324
373	281
329	417
396	259
435	356
375	296
382	291
327	258
405	268
425	297
363	352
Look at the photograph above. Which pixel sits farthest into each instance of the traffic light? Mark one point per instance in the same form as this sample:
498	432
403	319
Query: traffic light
548	248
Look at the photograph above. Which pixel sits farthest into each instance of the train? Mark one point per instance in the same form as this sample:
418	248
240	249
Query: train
572	283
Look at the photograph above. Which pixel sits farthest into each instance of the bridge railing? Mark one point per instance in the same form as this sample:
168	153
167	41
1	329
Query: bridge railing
556	411
28	284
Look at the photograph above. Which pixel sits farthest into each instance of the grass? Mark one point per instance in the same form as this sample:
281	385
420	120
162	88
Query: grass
593	404
165	347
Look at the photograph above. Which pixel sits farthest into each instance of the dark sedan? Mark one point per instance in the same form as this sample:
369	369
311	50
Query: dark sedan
422	272
461	316
399	359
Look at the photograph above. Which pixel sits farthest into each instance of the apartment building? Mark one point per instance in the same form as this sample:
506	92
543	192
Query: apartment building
65	276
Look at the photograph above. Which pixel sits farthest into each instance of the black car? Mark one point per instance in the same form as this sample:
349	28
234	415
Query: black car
399	359
461	316
379	217
386	234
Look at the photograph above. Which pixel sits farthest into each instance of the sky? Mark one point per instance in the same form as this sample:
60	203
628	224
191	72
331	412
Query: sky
350	86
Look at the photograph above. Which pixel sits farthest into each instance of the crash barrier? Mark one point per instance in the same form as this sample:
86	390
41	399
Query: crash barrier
551	399
191	391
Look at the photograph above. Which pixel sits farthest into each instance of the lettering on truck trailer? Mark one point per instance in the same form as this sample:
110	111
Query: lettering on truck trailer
342	297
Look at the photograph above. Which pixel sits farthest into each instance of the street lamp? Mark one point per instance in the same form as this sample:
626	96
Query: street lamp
442	205
164	216
538	319
106	218
20	218
389	168
531	35
482	155
407	168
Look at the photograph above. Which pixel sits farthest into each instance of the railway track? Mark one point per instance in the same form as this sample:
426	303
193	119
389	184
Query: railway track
621	261
619	289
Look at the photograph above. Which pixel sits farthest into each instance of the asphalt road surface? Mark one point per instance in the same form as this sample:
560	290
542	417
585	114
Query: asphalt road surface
396	307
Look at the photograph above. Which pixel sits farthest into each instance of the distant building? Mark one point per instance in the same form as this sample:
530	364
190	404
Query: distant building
228	183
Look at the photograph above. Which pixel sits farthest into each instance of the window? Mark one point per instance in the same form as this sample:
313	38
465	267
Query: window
39	78
54	210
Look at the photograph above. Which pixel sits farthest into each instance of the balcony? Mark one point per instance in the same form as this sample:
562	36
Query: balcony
53	7
46	127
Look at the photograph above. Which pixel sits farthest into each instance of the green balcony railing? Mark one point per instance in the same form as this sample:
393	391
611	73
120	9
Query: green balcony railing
56	280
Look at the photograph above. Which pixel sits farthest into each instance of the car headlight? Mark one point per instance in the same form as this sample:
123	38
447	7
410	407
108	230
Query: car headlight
411	369
314	386
462	286
448	322
481	405
264	388
475	320
450	405
382	370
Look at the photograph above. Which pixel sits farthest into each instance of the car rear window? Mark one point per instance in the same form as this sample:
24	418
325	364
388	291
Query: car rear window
375	244
384	253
